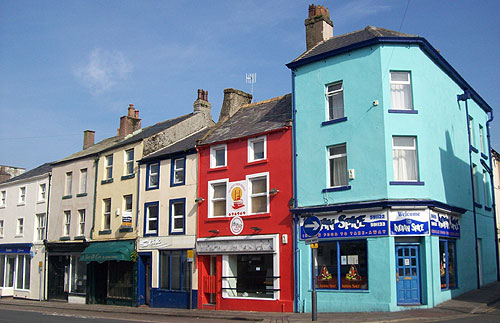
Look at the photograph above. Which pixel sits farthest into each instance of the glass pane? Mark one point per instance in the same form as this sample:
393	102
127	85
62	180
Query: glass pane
254	275
79	275
220	157
165	270
120	279
326	270
400	261
400	252
179	223
176	270
407	271
337	150
414	271
179	176
338	172
219	208
404	142
2	270
259	186
353	268
259	204
400	76
335	87
413	252
153	225
20	270
10	271
413	261
258	150
451	264
219	191
27	272
401	272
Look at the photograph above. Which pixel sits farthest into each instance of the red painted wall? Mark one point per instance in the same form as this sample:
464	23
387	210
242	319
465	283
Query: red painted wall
278	221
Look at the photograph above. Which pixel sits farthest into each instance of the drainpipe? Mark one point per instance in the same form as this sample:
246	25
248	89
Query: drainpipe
492	186
46	238
138	192
295	220
96	162
464	97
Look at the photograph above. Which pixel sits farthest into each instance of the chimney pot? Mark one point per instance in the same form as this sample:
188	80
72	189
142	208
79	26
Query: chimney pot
130	122
319	27
201	104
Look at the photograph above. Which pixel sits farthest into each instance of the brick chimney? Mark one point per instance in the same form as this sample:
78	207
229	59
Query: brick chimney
319	27
88	138
201	104
129	123
233	101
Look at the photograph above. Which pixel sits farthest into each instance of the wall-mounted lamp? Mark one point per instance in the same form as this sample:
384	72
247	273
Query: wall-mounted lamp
273	191
256	228
213	231
199	199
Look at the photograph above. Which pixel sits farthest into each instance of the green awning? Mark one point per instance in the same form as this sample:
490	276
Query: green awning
106	251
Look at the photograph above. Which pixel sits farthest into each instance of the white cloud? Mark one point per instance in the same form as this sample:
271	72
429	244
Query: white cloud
103	70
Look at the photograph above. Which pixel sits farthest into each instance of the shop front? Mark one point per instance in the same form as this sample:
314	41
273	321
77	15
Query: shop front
112	272
167	275
378	260
15	269
241	273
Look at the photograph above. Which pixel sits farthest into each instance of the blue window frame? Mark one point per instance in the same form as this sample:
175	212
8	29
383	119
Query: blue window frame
151	218
152	176
177	223
174	270
447	264
178	171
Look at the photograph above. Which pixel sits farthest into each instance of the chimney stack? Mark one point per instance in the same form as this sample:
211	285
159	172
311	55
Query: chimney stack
129	123
233	101
319	27
201	104
88	138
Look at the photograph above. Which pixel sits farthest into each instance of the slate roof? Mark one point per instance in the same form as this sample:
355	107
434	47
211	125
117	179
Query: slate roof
345	40
92	150
253	119
185	145
40	170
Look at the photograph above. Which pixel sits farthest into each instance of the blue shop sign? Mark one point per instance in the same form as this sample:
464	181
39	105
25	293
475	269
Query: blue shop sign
409	222
19	248
350	225
445	225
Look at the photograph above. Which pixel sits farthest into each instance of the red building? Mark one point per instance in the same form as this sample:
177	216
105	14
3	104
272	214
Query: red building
245	230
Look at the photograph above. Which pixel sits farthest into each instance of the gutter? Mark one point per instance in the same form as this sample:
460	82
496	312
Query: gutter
96	162
492	186
46	237
294	167
464	97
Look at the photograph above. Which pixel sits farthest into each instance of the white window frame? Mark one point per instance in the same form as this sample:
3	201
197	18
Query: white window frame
68	183
151	174
249	179
125	210
81	221
471	131
20	227
330	111
485	186
128	163
333	157
150	219
3	198
211	185
108	167
408	83
83	180
406	148
106	214
22	195
474	183
175	216
67	223
213	152
42	192
481	139
180	169
25	263
251	151
1	233
40	226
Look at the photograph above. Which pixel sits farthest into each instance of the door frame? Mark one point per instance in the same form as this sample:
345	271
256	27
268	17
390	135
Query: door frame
142	288
415	246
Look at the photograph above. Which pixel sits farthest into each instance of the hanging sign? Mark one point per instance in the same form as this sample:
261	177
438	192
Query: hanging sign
236	225
350	225
445	225
237	197
409	222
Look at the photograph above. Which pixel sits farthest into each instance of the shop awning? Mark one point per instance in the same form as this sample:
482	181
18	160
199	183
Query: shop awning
106	251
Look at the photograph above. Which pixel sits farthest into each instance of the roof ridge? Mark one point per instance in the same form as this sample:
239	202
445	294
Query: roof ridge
249	105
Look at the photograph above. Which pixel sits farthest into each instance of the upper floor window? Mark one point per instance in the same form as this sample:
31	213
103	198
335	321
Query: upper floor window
337	159
151	218
404	158
129	162
481	140
1	233
257	149
127	204
67	223
177	216
471	130
106	214
486	189
401	96
3	197
178	171
258	194
152	176
108	167
20	227
218	156
22	195
335	98
83	181
40	226
217	196
69	183
81	222
42	192
475	183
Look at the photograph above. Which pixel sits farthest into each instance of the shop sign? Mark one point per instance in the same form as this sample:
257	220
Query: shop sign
235	246
236	225
153	243
350	225
126	219
236	203
409	222
445	225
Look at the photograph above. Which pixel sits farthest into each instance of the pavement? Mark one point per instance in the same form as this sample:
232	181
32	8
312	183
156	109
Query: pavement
466	305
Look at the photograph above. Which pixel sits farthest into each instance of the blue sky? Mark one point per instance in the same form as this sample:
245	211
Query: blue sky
68	66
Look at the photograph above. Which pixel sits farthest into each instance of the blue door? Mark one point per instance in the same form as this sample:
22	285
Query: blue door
407	275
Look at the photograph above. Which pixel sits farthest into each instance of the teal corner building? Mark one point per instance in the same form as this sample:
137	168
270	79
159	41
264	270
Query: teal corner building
392	155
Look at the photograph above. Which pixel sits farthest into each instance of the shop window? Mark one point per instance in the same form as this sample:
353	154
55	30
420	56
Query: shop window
401	96
350	273
447	264
78	275
120	279
152	176
23	272
404	158
174	268
178	171
7	267
337	159
249	275
335	98
217	193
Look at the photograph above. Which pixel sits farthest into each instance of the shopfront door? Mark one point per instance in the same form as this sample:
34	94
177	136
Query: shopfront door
407	274
58	284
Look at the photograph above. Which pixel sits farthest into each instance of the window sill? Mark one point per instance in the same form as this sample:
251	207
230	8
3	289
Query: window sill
329	122
177	233
79	238
107	181
67	197
151	234
403	111
335	189
487	208
474	149
105	232
38	202
477	205
257	162
126	229
484	156
2	206
18	236
81	194
21	204
217	169
177	184
125	177
414	183
65	238
228	218
152	188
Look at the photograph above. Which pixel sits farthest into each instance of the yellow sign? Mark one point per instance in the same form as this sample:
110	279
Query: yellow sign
190	253
40	264
314	246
